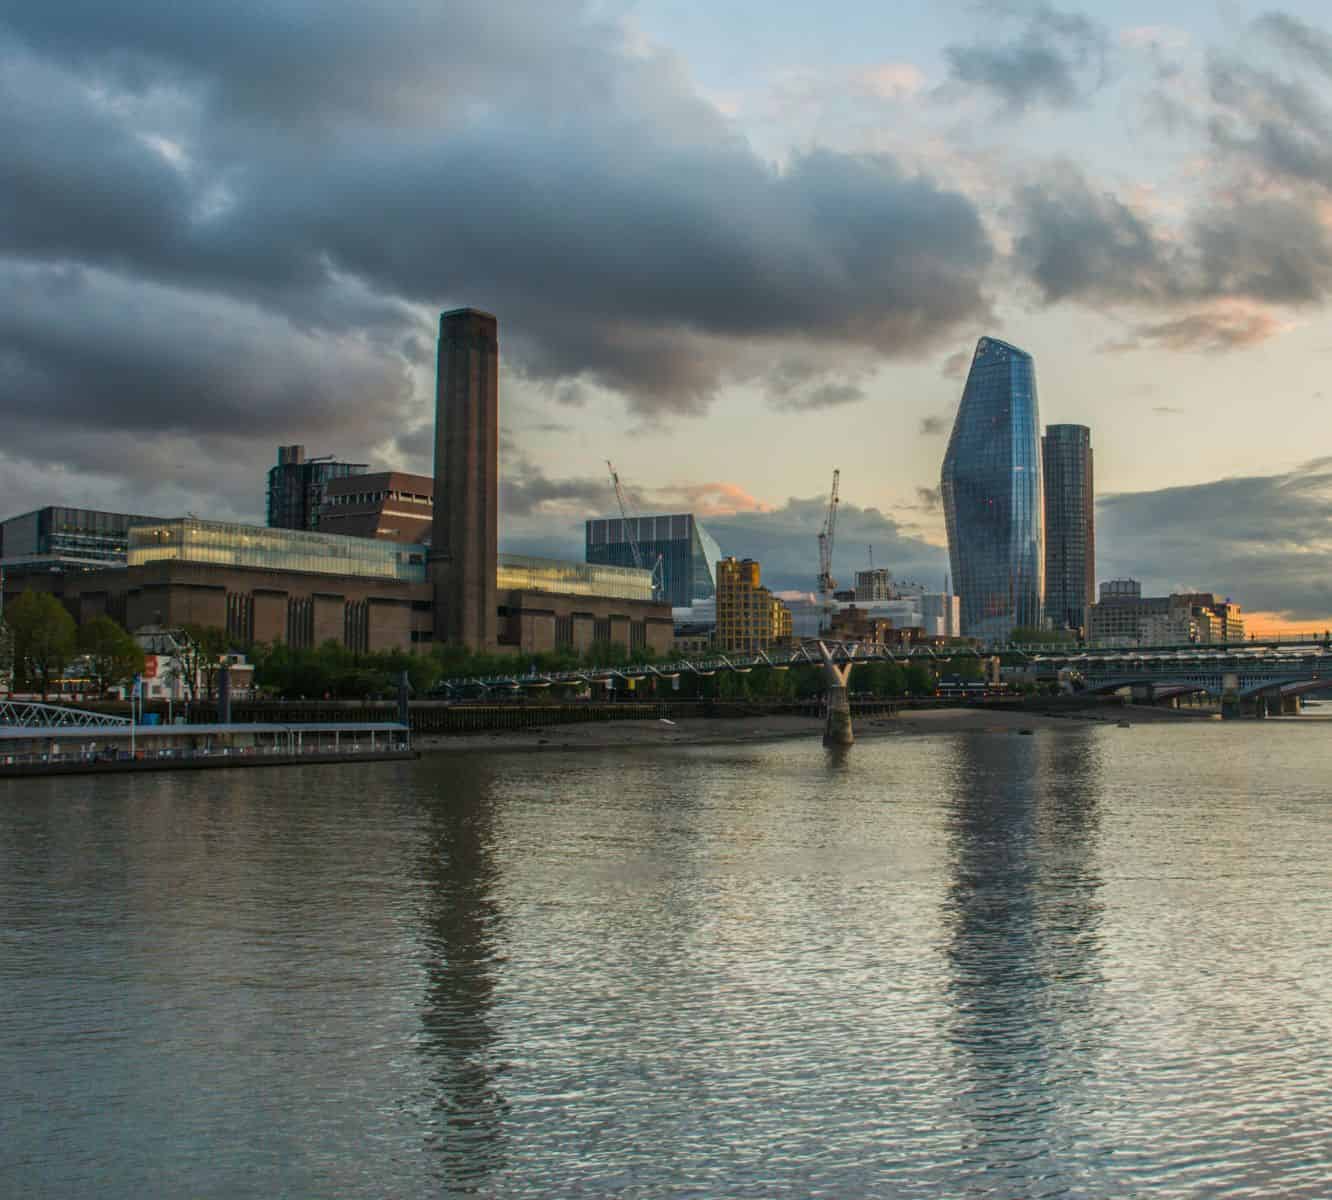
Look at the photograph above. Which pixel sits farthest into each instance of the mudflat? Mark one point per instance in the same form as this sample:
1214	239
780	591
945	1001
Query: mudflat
731	730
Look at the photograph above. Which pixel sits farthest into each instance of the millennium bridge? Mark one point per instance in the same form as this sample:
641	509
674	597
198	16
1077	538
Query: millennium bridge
1258	677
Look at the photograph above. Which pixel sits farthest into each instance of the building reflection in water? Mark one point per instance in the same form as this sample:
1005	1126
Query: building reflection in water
1023	916
461	931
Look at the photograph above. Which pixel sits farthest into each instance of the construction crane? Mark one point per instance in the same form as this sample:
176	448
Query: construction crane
658	582
827	583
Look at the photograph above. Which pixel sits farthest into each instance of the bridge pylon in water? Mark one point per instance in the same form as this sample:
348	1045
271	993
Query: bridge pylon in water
837	729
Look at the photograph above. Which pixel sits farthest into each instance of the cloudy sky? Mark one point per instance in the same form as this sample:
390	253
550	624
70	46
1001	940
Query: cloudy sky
731	247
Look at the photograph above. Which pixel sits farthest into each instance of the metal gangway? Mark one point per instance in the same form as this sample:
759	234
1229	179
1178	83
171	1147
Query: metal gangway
30	715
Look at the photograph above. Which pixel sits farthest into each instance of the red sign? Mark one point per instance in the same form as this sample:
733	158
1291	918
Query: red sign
150	666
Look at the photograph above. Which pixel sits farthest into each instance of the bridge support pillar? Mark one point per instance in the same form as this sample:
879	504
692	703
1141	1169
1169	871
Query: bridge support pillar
1290	706
837	729
1231	706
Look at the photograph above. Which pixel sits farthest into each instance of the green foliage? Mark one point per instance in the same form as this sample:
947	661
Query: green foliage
113	656
44	637
334	671
6	653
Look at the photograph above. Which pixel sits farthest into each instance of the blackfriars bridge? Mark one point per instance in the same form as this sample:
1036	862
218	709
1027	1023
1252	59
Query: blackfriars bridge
1265	679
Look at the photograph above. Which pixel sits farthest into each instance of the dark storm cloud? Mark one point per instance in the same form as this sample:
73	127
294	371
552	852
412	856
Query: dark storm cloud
1277	122
1057	60
802	386
1077	243
310	61
525	489
136	385
1265	540
335	163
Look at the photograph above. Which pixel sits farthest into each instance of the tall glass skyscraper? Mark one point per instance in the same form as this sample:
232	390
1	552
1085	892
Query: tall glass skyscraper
992	496
1070	525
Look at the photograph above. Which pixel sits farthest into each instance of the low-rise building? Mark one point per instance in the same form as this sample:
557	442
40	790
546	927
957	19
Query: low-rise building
692	639
854	624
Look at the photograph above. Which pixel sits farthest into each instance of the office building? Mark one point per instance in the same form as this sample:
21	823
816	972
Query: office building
992	496
1070	525
686	550
390	505
1117	590
465	546
296	487
941	614
1125	617
59	539
749	617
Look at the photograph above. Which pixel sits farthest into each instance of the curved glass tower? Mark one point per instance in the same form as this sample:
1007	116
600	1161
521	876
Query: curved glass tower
992	495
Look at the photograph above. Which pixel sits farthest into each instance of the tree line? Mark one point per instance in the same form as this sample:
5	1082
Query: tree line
40	642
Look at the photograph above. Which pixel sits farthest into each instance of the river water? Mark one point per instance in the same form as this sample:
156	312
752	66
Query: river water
1092	962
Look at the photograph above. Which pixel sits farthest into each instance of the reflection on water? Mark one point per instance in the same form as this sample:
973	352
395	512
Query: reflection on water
461	930
1023	919
1087	964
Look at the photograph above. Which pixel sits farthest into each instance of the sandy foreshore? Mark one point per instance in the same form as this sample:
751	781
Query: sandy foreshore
733	730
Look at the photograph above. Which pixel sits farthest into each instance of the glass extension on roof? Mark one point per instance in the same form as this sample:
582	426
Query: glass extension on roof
517	572
227	544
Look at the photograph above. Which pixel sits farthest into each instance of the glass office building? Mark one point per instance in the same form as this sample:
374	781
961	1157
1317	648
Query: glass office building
1070	525
66	539
992	495
225	544
689	556
517	572
296	487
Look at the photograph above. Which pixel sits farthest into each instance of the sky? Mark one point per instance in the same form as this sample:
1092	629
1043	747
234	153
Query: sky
731	248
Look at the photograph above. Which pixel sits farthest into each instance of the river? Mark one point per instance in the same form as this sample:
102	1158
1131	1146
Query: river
1085	963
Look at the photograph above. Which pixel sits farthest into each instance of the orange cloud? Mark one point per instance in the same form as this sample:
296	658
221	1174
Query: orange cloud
1275	624
709	499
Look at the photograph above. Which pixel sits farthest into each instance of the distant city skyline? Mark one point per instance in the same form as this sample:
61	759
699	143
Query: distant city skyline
734	247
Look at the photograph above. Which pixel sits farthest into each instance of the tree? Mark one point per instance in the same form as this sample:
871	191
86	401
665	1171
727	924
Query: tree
44	637
195	659
6	655
114	657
